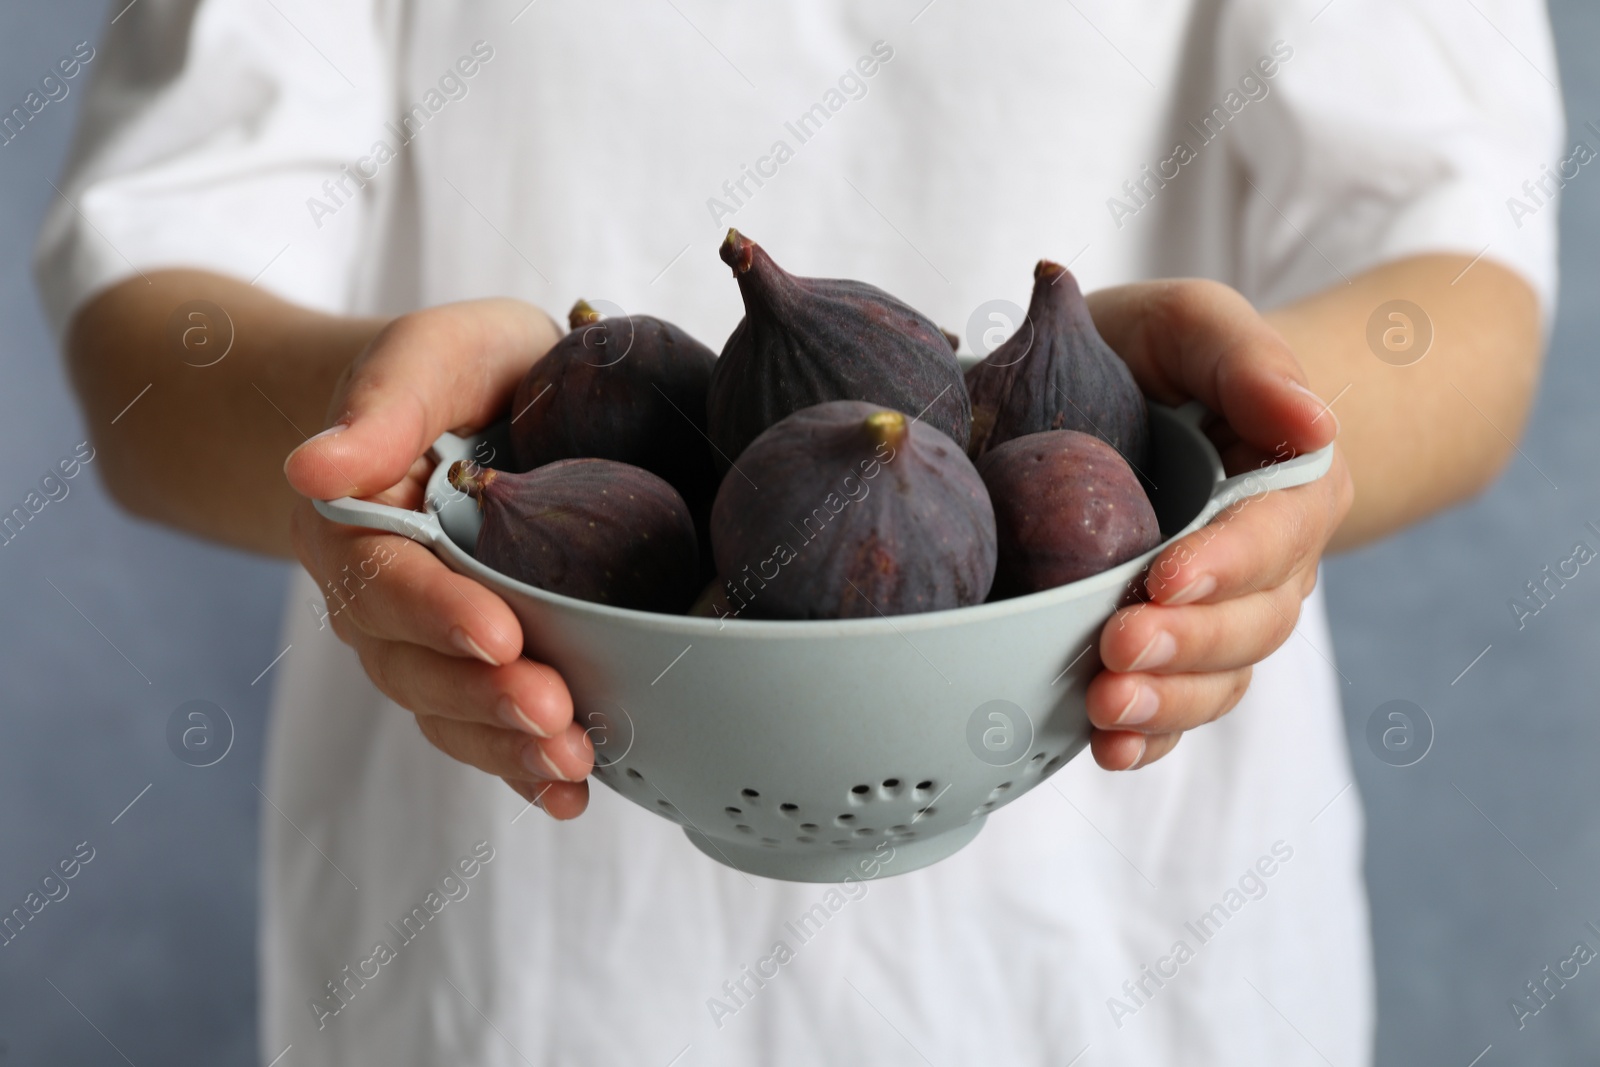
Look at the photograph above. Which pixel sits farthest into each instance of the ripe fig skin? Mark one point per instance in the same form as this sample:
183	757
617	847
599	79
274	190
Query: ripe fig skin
807	341
630	389
850	510
1057	373
593	529
1066	506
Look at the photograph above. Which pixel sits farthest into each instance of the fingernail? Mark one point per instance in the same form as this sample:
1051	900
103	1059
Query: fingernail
539	763
512	716
576	745
1197	588
1323	407
1143	746
1162	647
550	764
1141	707
464	643
336	428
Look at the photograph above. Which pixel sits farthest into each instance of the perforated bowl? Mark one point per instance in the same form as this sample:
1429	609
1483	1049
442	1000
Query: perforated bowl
810	751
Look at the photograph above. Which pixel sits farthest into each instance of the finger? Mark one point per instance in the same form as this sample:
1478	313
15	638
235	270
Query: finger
567	757
1257	544
1201	637
523	696
1157	703
425	373
1119	750
559	800
392	588
1200	339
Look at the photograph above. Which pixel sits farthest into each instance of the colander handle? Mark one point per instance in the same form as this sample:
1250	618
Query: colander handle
420	526
1300	470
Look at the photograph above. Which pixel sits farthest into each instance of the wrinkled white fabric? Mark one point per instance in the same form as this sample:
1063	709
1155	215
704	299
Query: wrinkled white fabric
586	155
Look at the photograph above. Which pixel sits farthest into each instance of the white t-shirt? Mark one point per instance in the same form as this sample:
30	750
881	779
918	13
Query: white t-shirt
557	150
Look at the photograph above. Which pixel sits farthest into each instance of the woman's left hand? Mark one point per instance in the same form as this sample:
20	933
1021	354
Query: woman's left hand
1225	597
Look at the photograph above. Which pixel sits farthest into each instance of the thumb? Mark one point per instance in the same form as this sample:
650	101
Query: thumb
444	368
1191	338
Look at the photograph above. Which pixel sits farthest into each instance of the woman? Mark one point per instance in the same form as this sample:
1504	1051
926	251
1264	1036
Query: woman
339	191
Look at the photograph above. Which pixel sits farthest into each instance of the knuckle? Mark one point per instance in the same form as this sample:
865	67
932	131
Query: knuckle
432	728
500	753
1179	305
344	627
1308	581
376	664
1238	687
1283	622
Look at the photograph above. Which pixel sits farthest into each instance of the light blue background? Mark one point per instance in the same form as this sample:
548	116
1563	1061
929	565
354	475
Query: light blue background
155	943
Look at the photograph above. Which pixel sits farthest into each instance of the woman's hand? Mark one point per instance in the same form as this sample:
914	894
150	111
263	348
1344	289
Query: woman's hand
433	641
1228	595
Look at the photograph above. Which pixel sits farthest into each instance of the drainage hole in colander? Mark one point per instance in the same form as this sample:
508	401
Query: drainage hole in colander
788	809
844	820
1055	761
923	813
998	791
865	831
1038	757
925	786
733	812
809	826
769	842
635	775
986	806
805	839
839	842
744	828
889	788
859	794
749	794
899	828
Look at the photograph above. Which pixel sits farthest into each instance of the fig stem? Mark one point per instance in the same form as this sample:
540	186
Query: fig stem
582	314
887	427
1047	269
470	478
738	251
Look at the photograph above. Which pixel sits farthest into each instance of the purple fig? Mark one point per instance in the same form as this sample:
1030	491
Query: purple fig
1057	373
593	529
806	341
1066	505
628	388
849	510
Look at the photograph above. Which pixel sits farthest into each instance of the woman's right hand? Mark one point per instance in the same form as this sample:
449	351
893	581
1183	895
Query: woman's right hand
436	642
